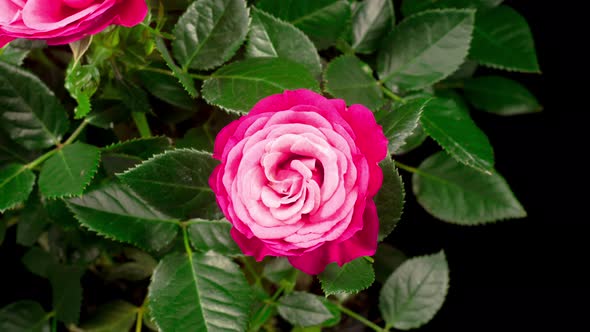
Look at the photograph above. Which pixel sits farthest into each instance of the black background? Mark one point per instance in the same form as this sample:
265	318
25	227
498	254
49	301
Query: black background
519	275
527	274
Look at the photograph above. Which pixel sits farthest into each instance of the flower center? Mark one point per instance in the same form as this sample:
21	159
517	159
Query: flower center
293	183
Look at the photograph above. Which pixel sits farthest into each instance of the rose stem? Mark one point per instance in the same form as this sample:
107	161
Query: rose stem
360	318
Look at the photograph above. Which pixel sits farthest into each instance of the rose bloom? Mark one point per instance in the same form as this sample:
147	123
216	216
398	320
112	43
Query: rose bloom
65	21
297	179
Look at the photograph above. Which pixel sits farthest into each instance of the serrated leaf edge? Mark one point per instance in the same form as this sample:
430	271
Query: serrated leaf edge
159	155
169	61
472	161
237	112
231	51
108	148
107	236
441	11
12	204
325	80
468	222
290	25
446	289
346	291
93	171
403	202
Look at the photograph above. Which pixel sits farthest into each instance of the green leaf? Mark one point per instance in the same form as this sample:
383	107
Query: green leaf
38	261
334	310
348	78
448	122
201	292
11	152
371	21
390	199
271	37
16	183
351	278
116	316
30	113
166	88
23	316
303	309
413	294
502	39
66	292
387	260
82	81
278	269
401	122
500	95
121	156
59	214
141	266
240	85
106	113
68	172
425	48
213	235
183	77
458	194
176	183
410	7
117	212
466	70
142	148
32	223
13	55
197	138
413	141
148	320
209	33
322	20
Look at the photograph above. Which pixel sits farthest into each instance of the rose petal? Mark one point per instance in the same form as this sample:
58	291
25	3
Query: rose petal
363	243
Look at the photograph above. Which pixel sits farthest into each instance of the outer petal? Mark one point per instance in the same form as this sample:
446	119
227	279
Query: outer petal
251	247
4	40
289	99
363	243
130	12
370	139
369	135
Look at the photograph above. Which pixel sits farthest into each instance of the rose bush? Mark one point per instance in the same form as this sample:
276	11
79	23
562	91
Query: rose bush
65	21
297	179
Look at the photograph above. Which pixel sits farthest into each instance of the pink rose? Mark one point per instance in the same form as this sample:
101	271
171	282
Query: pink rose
65	21
297	179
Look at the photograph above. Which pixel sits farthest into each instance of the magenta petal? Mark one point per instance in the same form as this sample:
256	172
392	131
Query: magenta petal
289	99
370	138
222	137
251	247
363	243
4	40
131	12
